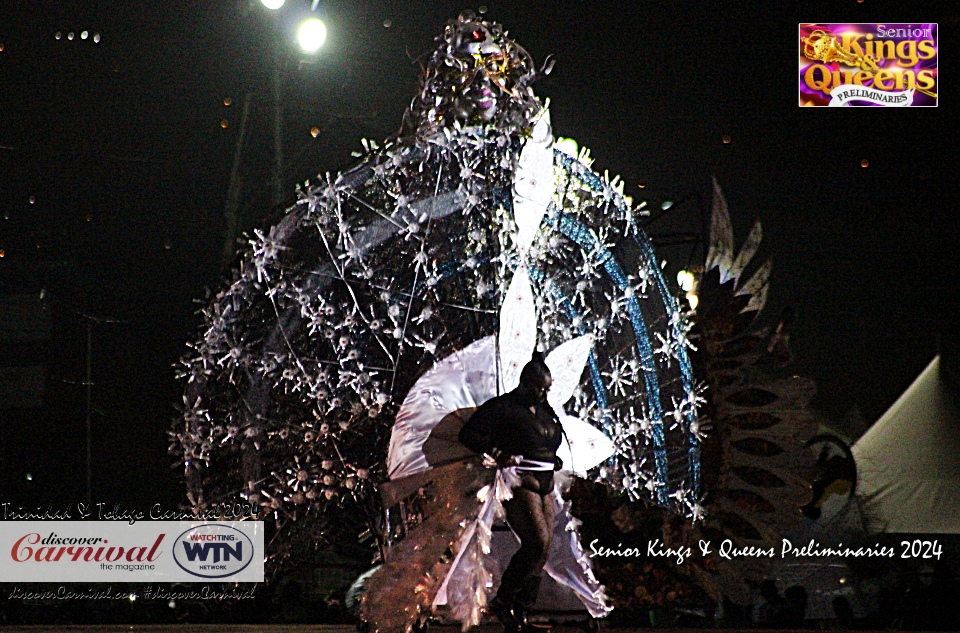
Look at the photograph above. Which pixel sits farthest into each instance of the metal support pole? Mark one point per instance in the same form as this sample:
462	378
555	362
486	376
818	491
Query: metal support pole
277	127
89	383
231	209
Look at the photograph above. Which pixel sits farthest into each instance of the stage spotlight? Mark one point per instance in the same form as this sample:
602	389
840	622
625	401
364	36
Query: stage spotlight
311	35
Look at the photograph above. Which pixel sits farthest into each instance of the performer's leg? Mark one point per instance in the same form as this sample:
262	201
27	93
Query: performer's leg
528	519
531	585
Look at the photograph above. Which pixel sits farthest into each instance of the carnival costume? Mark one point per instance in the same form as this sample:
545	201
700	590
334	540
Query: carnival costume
397	297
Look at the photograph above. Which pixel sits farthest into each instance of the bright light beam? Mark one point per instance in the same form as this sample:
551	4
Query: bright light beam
312	34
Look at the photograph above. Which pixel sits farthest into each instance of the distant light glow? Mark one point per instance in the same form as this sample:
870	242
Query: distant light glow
666	204
227	101
273	5
224	123
96	38
312	34
688	283
84	35
314	131
70	36
29	476
567	146
58	35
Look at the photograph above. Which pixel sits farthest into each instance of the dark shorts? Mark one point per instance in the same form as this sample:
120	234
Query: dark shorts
538	481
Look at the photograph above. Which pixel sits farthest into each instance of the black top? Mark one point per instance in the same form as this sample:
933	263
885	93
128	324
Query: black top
516	425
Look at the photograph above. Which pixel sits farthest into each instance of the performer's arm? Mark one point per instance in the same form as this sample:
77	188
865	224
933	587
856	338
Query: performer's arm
477	433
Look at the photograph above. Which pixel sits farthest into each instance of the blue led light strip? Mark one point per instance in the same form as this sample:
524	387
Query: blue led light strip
595	183
686	369
589	243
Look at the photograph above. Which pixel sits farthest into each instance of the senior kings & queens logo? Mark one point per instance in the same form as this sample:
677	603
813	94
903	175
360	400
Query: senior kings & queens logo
868	65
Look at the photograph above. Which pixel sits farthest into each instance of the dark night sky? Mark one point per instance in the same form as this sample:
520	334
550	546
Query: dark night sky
128	133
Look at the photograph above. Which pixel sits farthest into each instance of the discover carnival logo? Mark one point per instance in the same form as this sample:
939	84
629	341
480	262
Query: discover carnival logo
53	548
114	551
213	550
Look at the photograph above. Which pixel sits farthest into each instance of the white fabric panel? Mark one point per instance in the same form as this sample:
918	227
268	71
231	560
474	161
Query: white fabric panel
584	447
518	329
569	565
534	183
566	363
462	380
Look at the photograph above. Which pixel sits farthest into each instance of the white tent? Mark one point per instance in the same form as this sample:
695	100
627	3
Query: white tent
908	462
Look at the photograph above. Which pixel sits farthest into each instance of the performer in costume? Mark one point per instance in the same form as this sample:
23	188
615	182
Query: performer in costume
520	429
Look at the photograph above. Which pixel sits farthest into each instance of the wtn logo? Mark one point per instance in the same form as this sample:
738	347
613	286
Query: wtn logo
201	550
213	551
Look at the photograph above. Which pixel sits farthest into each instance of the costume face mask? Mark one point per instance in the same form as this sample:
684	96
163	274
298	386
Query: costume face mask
485	69
476	76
